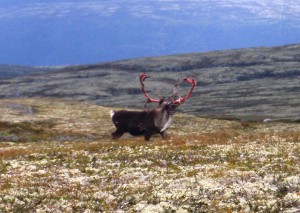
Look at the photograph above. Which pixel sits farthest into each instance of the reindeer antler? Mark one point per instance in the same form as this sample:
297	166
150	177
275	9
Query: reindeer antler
189	80
143	77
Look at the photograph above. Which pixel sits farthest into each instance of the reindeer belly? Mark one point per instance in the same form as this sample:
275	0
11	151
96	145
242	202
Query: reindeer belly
136	132
135	129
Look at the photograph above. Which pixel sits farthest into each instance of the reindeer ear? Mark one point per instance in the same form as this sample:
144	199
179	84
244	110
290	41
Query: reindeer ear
162	100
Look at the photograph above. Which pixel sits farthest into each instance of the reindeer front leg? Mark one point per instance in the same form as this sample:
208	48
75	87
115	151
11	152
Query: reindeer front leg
148	135
164	134
149	132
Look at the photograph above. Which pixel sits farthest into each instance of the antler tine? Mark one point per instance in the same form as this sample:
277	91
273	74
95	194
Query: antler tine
189	80
176	85
172	97
143	77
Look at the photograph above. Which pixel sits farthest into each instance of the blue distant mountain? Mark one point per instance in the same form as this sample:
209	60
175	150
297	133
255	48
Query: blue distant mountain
80	32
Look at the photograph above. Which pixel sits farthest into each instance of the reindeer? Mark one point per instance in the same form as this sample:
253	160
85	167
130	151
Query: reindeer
149	122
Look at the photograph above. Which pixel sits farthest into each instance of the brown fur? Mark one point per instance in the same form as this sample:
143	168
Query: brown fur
145	123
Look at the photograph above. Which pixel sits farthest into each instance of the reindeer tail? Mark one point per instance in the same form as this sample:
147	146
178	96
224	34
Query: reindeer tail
111	112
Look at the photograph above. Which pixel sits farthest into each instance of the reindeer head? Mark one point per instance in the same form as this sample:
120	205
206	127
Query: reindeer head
172	103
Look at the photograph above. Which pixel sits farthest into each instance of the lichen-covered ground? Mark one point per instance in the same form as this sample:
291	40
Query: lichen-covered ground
57	156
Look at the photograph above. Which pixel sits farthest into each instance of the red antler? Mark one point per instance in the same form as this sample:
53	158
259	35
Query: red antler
189	80
142	79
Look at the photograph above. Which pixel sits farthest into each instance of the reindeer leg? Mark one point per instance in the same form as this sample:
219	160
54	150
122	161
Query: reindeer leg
149	133
147	136
117	134
164	135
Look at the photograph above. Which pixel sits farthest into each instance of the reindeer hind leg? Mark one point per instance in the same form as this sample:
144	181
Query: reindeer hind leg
117	134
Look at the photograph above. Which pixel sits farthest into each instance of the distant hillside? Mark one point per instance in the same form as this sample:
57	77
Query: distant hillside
11	71
255	83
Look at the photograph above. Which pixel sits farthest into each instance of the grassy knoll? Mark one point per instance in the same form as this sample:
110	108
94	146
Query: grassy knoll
57	156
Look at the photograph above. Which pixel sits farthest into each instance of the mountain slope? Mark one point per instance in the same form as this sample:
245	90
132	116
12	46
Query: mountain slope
254	83
11	71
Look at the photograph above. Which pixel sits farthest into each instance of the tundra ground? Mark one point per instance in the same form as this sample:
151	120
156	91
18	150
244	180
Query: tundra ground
57	156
